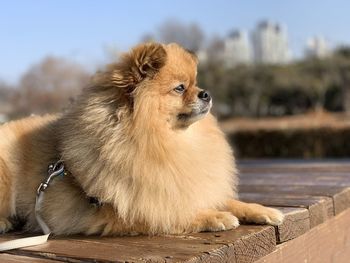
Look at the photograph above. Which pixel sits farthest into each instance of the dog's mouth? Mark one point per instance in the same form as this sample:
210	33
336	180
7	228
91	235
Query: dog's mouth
195	114
204	111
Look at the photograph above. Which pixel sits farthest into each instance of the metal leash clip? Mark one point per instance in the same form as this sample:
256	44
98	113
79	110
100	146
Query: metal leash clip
54	170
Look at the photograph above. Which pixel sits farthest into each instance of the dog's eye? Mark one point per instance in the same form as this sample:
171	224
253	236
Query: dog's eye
180	89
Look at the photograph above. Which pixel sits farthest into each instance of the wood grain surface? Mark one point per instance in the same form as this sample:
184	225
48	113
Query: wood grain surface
313	195
326	243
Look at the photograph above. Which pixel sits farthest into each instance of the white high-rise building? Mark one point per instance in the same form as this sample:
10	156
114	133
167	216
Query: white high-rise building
270	43
317	47
237	49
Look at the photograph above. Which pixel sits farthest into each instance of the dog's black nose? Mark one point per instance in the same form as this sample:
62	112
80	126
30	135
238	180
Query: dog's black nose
204	95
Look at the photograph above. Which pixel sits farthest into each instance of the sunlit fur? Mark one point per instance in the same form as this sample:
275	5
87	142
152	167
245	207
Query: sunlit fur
123	142
140	162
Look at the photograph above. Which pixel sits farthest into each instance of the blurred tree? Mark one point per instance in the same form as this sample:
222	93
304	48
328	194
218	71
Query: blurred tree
343	51
48	86
215	50
342	62
189	36
6	91
7	94
317	75
262	90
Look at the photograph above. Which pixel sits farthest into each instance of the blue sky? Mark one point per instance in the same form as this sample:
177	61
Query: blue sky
80	30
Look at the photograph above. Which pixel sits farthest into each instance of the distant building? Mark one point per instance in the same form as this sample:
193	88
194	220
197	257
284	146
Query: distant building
237	49
270	43
317	47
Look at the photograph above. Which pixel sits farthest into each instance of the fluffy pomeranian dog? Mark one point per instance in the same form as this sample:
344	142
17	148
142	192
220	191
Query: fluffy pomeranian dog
140	140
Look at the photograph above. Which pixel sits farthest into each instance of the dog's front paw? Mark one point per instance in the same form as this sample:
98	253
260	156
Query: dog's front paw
213	220
5	225
264	215
273	216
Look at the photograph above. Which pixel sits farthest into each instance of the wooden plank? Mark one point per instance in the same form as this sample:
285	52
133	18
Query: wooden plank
248	244
328	242
224	254
131	249
314	190
296	168
320	208
340	194
308	193
322	178
341	200
282	180
245	244
294	163
296	222
18	259
249	248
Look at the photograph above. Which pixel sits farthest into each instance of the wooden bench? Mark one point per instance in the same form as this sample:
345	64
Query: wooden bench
314	195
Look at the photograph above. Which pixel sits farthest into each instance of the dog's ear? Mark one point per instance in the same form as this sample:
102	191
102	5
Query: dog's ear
148	58
144	61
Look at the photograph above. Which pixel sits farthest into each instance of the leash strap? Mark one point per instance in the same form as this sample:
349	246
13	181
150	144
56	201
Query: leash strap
23	242
53	171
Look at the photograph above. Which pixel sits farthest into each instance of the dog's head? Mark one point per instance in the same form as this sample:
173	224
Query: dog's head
159	81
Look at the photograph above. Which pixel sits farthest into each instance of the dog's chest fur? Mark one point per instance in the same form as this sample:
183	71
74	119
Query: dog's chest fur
158	181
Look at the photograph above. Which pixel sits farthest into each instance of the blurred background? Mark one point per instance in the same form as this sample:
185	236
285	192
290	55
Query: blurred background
279	71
